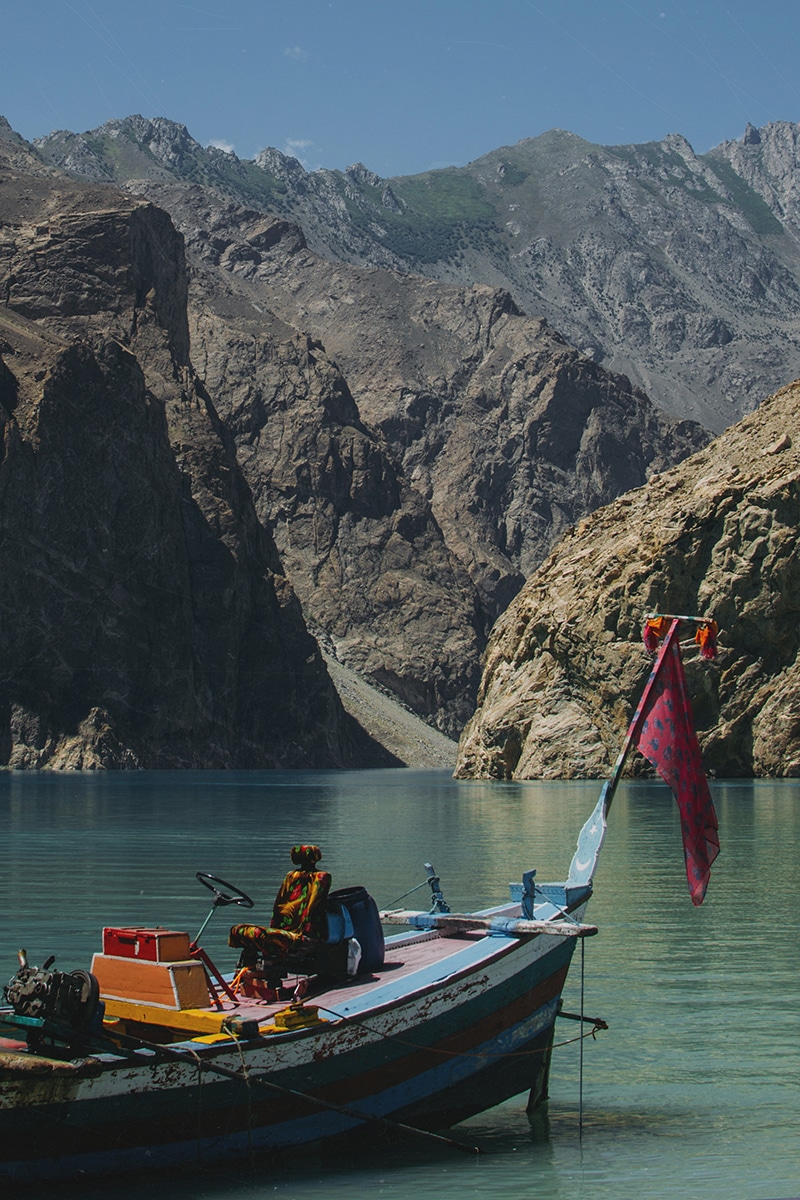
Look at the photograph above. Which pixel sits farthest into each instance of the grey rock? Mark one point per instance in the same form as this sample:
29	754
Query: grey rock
635	251
414	451
413	448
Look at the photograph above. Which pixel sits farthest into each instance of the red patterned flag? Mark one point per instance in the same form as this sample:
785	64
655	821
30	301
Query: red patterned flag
665	734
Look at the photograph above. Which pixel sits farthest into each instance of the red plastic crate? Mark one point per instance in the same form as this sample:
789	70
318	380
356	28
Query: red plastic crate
152	945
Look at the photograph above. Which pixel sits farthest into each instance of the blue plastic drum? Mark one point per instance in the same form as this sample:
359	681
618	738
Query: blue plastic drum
353	913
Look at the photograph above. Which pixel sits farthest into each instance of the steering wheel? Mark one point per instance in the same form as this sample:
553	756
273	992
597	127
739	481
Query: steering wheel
230	895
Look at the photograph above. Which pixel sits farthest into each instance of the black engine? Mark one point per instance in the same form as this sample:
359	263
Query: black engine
72	999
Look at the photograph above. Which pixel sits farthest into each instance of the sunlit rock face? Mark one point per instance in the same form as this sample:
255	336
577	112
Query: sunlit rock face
716	536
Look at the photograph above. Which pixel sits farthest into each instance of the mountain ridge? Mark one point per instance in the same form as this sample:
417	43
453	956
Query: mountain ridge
144	617
489	433
679	270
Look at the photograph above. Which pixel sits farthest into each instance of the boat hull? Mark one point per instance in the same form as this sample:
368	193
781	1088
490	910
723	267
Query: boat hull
449	1049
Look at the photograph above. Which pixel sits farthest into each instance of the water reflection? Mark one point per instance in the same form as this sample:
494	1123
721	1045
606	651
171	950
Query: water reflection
693	1091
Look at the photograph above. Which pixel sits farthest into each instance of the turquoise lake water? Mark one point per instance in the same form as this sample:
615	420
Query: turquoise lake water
694	1090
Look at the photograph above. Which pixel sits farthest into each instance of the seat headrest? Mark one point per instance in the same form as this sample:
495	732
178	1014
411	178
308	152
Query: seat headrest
306	857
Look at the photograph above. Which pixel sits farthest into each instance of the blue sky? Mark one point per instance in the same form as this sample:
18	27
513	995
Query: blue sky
402	85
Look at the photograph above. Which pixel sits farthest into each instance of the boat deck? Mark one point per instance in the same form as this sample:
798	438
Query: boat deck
428	955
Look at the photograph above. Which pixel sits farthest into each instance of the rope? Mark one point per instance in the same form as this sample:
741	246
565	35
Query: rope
246	1077
580	1073
186	1054
408	893
549	900
199	1085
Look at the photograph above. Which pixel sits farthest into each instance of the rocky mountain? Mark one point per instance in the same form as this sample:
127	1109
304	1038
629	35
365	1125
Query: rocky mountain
716	536
681	271
413	449
144	616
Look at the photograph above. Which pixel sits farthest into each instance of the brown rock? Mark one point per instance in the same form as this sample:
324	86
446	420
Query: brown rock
716	536
413	450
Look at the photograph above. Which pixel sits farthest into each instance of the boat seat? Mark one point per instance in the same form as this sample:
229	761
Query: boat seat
298	929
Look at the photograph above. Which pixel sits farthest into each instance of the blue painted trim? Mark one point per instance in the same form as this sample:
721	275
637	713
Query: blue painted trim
471	956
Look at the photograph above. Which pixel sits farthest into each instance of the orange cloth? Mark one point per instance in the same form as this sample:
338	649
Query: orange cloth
706	638
655	628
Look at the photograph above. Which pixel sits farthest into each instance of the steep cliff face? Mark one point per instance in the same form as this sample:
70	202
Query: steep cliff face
360	545
144	620
415	451
715	536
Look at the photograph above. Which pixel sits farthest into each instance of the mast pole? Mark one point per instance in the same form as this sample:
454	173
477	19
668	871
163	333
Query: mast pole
592	836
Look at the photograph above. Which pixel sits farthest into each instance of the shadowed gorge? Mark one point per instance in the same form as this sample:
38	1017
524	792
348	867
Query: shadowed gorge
395	454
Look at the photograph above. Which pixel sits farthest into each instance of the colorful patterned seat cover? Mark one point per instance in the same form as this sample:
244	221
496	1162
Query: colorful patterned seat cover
299	914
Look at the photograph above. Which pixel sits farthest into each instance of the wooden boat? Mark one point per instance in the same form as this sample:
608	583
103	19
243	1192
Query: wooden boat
155	1058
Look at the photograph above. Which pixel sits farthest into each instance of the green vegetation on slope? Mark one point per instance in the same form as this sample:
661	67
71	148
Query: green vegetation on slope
755	210
440	214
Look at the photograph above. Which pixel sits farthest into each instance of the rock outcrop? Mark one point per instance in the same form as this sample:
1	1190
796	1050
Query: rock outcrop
768	160
715	536
144	617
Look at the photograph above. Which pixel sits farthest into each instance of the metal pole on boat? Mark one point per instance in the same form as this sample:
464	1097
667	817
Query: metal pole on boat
438	902
592	835
633	728
202	928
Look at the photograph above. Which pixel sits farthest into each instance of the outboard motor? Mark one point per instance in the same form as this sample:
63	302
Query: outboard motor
72	999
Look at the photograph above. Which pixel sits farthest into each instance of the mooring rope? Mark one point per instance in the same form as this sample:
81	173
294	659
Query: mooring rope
580	1083
188	1055
549	900
246	1077
408	893
199	1115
